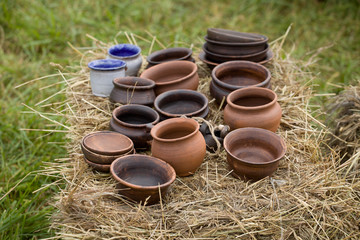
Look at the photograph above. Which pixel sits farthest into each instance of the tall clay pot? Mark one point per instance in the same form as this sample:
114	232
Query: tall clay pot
253	107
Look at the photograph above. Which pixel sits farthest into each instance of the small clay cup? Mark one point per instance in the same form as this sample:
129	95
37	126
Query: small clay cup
141	177
135	121
225	35
129	53
253	107
173	75
102	159
178	142
169	54
133	90
176	103
105	168
253	153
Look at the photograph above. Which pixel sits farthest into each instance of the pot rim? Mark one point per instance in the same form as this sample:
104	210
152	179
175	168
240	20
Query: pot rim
249	91
282	142
171	50
112	48
227	32
106	64
147	158
170	121
117	82
116	110
207	51
235	44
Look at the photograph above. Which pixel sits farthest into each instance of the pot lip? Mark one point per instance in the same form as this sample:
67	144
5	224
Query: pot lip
228	32
148	158
241	63
117	83
116	110
235	44
207	51
167	93
154	68
126	45
170	50
282	142
106	64
170	121
247	90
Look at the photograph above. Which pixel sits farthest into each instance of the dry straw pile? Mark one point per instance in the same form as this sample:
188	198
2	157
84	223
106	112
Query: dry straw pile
313	195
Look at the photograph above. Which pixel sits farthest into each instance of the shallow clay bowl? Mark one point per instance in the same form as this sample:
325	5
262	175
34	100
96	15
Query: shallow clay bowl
99	167
225	35
253	153
139	177
176	103
169	54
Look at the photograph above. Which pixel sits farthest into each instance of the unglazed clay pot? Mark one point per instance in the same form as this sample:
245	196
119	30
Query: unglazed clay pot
99	167
178	142
140	177
173	75
135	121
225	35
133	90
253	153
230	76
131	54
253	107
169	54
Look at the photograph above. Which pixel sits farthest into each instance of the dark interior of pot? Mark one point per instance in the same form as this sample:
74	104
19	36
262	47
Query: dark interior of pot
252	101
181	103
240	76
134	115
169	74
176	130
170	55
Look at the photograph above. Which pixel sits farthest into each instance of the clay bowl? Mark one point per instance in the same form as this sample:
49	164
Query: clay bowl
169	54
253	153
99	167
176	103
225	35
139	177
173	75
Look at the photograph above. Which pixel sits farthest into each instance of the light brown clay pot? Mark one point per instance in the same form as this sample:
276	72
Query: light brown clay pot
253	107
178	142
173	75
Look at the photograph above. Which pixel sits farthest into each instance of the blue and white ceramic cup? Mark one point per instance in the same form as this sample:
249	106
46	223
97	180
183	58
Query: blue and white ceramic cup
102	73
131	54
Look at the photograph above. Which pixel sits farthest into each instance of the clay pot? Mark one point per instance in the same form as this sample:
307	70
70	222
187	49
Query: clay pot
105	168
139	177
100	158
230	76
176	103
253	107
253	153
133	90
169	54
178	142
173	75
131	54
224	35
134	121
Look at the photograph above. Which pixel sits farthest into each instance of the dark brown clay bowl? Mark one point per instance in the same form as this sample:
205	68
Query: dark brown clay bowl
99	167
108	143
253	153
225	35
169	54
140	177
176	103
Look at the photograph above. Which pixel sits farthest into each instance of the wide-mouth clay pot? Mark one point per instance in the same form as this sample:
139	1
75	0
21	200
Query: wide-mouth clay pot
253	153
176	103
225	35
133	90
253	107
173	75
135	121
141	177
178	142
230	76
129	53
105	168
169	54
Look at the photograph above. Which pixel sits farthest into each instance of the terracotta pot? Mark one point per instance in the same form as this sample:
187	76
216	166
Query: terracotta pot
135	121
176	103
253	107
230	76
178	142
253	153
133	90
139	177
129	53
98	167
100	158
169	54
173	75
225	35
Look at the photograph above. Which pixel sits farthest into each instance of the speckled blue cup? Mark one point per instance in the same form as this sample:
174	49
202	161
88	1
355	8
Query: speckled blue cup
129	53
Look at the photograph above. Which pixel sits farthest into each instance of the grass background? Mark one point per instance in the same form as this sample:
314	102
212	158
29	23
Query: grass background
35	33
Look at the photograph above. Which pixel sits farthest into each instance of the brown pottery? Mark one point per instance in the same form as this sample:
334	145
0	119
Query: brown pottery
225	35
253	153
98	167
140	177
173	75
178	142
133	90
253	107
169	54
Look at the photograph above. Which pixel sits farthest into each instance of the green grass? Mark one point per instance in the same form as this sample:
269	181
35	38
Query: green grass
36	33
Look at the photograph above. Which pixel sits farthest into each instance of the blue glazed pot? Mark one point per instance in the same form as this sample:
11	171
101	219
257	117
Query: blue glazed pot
131	54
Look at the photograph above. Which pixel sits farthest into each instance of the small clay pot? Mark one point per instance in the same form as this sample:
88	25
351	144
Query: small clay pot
178	142
253	153
169	54
173	75
176	103
230	76
129	53
225	35
99	167
135	121
253	107
133	90
141	177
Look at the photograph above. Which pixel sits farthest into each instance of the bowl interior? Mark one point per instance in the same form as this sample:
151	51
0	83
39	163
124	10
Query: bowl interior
169	72
170	55
181	103
107	142
239	76
124	50
136	116
252	101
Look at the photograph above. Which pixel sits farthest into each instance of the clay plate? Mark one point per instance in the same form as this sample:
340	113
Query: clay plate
99	167
225	35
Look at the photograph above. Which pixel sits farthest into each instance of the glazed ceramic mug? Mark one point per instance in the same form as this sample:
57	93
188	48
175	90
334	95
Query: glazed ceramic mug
129	53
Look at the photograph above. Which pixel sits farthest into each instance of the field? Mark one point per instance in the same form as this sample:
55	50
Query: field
34	34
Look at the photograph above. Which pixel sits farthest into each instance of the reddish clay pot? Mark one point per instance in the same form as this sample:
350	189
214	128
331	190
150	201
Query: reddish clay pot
173	75
169	54
178	142
105	168
253	107
253	153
